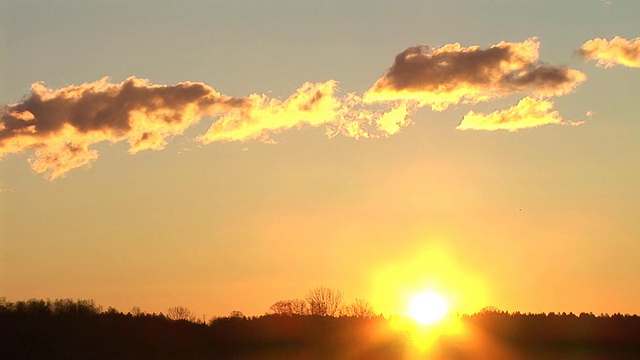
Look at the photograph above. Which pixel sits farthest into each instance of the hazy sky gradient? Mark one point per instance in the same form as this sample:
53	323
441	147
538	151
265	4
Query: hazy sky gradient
542	219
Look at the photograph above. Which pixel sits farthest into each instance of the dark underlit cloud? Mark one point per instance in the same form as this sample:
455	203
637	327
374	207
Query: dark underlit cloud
608	53
453	74
61	125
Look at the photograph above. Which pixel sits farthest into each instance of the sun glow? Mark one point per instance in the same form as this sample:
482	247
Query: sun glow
430	323
428	307
433	267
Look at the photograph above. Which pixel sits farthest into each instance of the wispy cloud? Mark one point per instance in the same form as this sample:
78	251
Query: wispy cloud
311	105
617	51
528	113
453	74
62	124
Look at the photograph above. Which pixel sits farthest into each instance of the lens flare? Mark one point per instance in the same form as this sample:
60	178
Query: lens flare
428	307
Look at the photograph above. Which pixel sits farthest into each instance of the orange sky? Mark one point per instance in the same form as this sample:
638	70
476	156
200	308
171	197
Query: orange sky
226	157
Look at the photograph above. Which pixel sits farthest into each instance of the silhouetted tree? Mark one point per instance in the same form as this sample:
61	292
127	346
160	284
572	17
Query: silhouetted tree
359	308
180	313
236	314
78	308
5	305
490	310
111	310
289	307
324	301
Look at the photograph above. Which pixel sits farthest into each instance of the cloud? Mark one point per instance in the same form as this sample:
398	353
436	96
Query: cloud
607	3
452	74
617	51
61	125
528	113
311	105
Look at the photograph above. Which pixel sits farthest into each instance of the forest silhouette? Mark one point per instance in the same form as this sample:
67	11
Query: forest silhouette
319	326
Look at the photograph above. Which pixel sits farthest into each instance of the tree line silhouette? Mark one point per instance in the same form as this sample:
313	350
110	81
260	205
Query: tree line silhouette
319	326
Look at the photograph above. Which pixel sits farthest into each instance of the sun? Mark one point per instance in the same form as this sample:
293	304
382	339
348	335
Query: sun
428	307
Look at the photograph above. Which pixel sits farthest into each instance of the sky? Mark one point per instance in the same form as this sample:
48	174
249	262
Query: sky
225	155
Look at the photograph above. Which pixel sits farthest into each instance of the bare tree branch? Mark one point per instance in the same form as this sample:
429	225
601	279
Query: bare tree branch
324	301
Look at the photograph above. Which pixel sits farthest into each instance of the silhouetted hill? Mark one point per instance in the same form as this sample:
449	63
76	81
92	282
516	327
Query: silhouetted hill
65	329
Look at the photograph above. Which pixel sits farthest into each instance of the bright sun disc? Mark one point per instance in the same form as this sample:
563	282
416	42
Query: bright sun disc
428	307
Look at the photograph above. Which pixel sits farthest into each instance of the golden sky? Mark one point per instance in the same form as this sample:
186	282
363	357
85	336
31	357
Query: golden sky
226	155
